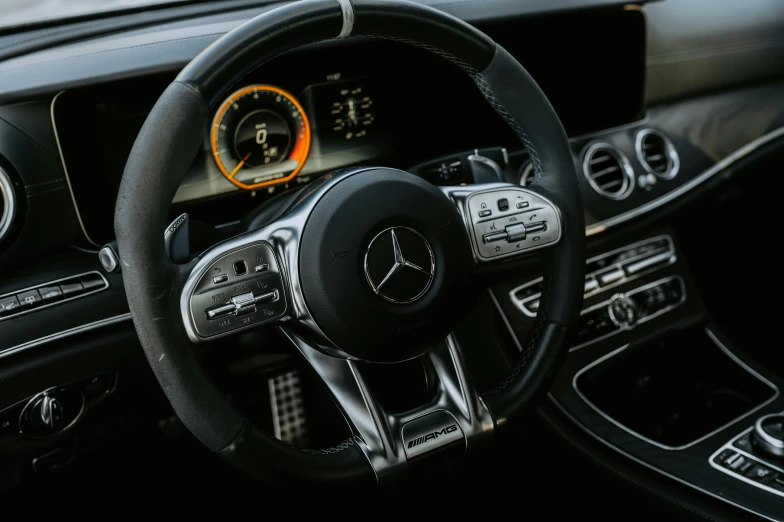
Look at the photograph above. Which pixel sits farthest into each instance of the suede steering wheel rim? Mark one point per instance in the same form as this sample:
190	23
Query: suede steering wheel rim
161	294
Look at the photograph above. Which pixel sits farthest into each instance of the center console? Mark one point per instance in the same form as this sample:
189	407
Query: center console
674	390
652	377
756	455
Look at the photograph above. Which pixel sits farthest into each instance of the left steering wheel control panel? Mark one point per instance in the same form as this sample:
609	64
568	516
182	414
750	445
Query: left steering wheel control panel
241	289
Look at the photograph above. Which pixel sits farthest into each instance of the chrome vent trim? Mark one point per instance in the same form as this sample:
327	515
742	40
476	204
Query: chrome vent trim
657	154
526	174
7	204
608	171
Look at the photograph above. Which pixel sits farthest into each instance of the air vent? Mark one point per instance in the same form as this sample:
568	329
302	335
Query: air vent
657	154
608	171
527	174
7	204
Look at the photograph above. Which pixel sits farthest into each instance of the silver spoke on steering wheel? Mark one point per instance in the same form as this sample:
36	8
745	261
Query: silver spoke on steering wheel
454	417
505	220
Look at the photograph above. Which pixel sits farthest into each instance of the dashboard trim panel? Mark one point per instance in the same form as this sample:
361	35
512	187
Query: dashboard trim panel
65	300
65	333
65	172
590	230
719	166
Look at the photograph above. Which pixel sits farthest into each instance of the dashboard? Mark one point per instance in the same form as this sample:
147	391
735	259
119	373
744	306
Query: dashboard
337	105
69	115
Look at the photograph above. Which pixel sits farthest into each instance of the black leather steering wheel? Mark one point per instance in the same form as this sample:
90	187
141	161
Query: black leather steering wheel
366	264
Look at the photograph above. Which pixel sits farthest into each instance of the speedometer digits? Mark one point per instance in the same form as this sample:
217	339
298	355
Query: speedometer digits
260	136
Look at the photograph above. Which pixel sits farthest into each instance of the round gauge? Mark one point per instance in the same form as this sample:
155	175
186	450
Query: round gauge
260	136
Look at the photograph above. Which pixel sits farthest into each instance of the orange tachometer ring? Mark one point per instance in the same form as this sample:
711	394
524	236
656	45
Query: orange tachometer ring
299	152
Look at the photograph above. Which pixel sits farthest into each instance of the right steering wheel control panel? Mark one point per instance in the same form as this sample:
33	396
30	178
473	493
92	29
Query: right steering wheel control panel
508	221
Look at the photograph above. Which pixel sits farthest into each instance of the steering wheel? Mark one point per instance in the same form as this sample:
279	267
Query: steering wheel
365	264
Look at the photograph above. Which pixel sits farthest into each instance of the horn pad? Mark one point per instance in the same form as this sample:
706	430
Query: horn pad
385	265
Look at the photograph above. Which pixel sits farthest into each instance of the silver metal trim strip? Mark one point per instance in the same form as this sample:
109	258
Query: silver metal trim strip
663	200
65	333
729	445
648	262
65	171
704	437
653	468
34	287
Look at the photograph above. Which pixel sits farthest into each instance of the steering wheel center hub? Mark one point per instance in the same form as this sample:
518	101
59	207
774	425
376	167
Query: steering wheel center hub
385	265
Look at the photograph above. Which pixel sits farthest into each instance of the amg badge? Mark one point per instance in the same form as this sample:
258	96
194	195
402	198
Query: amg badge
431	435
431	432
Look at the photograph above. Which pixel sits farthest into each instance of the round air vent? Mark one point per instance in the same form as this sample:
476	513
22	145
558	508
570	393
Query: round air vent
526	174
608	171
657	154
7	204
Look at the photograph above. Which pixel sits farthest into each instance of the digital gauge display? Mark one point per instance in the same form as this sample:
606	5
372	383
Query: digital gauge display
260	136
351	113
345	114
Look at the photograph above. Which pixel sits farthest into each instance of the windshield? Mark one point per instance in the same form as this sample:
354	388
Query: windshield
15	13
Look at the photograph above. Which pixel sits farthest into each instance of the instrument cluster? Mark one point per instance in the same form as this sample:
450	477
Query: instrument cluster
264	135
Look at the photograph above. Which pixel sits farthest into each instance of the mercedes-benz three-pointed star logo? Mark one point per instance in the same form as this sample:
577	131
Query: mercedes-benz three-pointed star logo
405	281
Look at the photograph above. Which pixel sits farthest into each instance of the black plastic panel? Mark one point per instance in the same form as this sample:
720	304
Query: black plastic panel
61	318
51	293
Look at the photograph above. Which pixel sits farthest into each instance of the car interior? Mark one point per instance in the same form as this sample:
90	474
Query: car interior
390	258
